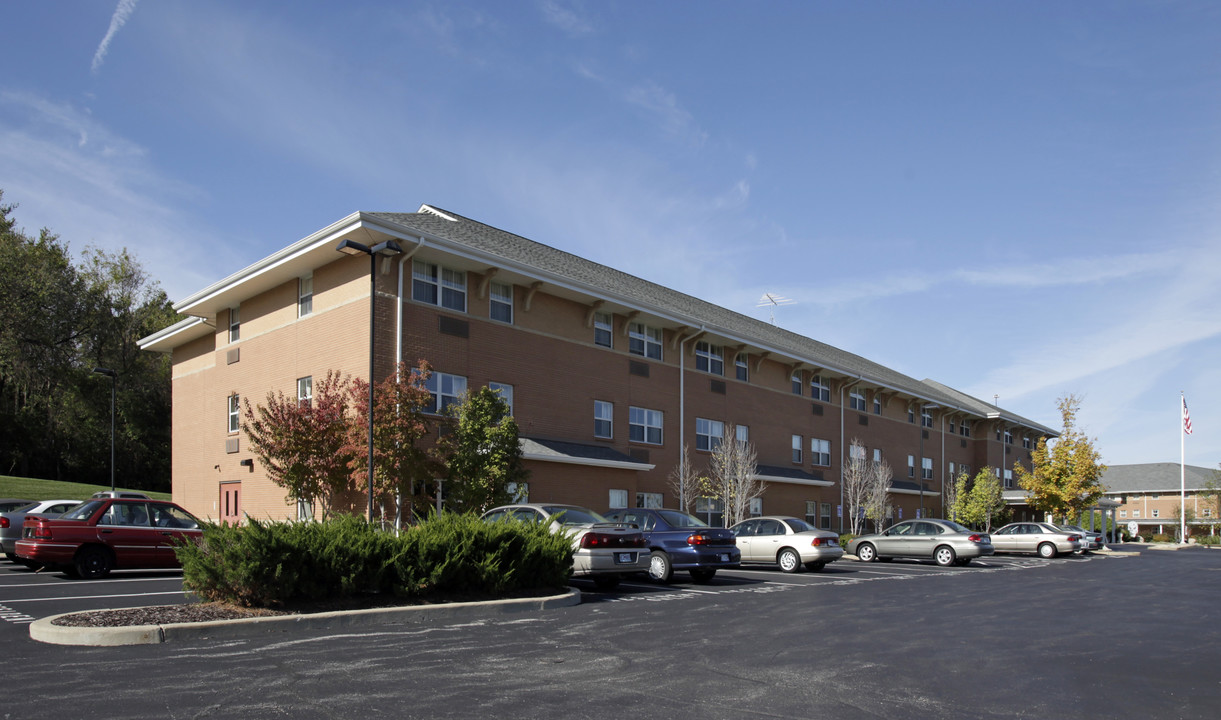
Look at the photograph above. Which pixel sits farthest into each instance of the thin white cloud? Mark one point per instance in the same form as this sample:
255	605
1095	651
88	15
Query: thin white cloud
663	105
566	18
121	13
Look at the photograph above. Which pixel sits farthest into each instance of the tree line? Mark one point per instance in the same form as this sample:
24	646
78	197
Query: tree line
63	317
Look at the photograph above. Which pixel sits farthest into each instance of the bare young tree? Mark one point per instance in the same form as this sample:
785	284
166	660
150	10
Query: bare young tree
856	485
733	476
684	481
877	506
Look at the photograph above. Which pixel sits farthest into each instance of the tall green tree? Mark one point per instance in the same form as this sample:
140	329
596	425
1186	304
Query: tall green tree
482	452
984	502
957	501
1064	479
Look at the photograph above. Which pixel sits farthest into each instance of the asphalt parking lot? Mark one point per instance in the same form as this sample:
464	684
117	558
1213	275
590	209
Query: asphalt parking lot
1009	637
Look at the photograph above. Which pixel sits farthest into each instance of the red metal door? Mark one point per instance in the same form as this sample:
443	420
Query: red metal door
231	502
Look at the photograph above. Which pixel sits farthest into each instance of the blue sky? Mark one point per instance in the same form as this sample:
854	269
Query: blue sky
1015	199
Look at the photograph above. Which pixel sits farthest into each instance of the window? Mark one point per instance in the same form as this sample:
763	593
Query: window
1008	438
235	324
911	415
857	452
877	406
305	390
739	362
445	390
644	341
824	520
709	510
436	285
953	426
856	401
820	452
644	425
604	419
797	448
708	434
305	295
1206	512
648	500
709	358
234	410
926	468
618	499
877	455
812	512
818	391
911	465
305	511
505	391
602	329
1136	513
756	507
965	429
796	379
1156	513
500	305
1123	514
742	432
520	492
1008	479
1026	442
926	418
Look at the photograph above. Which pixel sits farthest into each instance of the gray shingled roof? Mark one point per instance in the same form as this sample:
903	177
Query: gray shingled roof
530	254
569	451
1161	477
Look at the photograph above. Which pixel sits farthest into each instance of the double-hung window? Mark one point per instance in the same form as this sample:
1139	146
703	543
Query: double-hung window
856	400
797	448
235	324
740	366
506	393
445	390
644	425
795	378
649	500
708	434
501	302
709	358
602	329
911	466
818	391
926	468
1008	479
604	419
644	341
305	391
743	433
820	452
305	295
234	413
926	418
436	285
965	429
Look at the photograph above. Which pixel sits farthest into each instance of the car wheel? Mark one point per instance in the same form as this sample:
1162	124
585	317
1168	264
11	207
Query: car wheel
606	582
703	575
1047	550
866	553
92	562
789	560
660	567
944	555
815	566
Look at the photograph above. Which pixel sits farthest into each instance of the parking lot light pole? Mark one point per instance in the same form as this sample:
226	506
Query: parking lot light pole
114	380
389	248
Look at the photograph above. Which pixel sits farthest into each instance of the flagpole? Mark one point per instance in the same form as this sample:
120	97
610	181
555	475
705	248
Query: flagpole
1182	468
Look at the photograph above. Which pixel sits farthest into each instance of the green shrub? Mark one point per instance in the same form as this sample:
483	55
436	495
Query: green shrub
1209	540
278	563
845	539
1162	538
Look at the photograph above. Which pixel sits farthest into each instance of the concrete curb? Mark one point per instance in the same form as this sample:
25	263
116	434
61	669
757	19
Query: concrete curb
44	630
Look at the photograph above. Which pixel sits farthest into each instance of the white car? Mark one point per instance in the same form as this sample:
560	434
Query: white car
1035	537
603	550
12	521
788	542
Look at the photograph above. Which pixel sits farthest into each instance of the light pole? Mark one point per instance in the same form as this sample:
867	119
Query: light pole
388	248
114	380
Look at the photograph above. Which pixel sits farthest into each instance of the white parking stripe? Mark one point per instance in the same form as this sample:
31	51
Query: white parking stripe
91	597
45	583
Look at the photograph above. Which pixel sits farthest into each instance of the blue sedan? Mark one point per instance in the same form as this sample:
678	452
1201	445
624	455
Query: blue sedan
678	541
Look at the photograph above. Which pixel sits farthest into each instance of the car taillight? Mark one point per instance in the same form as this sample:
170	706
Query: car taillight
825	541
698	539
605	540
41	532
976	538
3	522
1074	537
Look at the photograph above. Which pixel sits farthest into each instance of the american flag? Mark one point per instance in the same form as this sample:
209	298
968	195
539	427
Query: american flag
1186	418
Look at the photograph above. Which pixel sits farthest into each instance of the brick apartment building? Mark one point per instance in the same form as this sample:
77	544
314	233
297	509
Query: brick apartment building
1149	495
607	375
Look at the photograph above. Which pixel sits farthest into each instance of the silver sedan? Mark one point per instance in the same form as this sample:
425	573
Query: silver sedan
1035	537
788	542
944	541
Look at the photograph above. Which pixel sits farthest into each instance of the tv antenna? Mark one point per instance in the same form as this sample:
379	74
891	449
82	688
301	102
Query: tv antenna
771	301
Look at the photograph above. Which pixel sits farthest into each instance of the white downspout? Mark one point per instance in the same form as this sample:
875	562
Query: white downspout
398	308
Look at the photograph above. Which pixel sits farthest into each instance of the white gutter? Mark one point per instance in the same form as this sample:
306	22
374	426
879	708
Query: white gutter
618	464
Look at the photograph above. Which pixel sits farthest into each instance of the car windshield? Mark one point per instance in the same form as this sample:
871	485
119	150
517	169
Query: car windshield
84	511
799	525
574	515
676	519
956	527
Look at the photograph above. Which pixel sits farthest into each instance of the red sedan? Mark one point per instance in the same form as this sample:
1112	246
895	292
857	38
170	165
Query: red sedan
104	534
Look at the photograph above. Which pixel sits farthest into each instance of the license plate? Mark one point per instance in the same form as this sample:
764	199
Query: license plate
724	557
625	558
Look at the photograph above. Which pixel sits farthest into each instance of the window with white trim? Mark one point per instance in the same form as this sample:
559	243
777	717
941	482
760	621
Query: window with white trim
824	521
305	390
756	507
604	419
926	468
911	466
1156	513
812	512
926	418
1027	442
435	285
1008	438
796	380
305	511
603	327
1123	514
742	432
305	295
797	442
235	323
644	425
234	418
505	391
877	406
1136	513
818	390
618	499
911	415
740	367
445	390
644	341
1008	479
709	358
820	452
877	455
649	500
708	434
500	302
856	452
856	400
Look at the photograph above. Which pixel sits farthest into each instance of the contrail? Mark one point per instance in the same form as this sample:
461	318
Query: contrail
121	13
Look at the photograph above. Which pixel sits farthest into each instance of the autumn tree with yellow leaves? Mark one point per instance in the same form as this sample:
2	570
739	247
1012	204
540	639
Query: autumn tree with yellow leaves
1064	481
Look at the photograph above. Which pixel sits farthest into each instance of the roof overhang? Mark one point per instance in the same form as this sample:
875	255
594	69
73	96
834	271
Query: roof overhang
180	333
